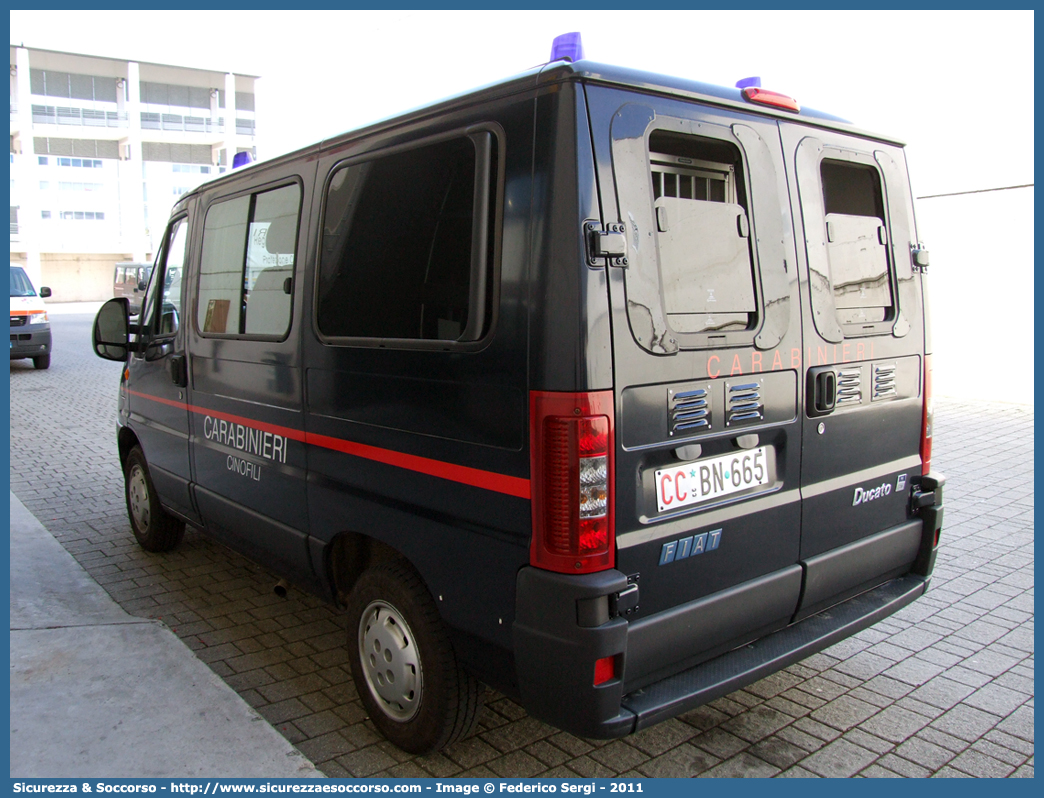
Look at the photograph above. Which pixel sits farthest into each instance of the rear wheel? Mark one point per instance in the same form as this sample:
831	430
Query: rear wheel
403	663
42	361
154	529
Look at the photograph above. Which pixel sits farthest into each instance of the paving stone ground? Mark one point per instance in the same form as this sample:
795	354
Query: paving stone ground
944	688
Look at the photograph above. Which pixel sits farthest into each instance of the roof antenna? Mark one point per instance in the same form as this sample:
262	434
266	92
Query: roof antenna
568	47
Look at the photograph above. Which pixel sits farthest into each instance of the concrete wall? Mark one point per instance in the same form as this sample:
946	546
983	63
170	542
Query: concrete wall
79	278
981	293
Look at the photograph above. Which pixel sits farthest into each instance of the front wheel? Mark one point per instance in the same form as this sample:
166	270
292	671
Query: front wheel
154	529
403	663
42	362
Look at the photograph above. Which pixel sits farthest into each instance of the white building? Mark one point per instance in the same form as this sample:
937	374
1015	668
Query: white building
101	149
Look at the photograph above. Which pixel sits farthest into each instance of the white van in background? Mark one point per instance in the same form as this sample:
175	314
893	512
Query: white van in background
30	327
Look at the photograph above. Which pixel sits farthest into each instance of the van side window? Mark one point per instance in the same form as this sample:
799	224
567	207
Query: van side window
856	242
404	249
171	267
703	234
247	264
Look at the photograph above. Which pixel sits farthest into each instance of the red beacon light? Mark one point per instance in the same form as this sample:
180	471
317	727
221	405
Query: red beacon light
753	92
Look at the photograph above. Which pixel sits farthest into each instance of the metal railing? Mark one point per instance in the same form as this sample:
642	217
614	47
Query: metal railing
179	123
57	115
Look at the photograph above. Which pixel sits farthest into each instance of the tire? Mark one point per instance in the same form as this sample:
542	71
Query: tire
42	361
153	527
394	629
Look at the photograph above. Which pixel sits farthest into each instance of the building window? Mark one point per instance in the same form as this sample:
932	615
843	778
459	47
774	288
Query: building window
44	185
45	214
92	216
78	186
173	95
87	163
182	154
50	83
42	160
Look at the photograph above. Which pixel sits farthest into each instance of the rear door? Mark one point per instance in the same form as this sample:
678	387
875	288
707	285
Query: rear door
707	356
862	361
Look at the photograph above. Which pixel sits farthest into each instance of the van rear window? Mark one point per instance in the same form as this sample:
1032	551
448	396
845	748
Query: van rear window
400	252
703	234
856	242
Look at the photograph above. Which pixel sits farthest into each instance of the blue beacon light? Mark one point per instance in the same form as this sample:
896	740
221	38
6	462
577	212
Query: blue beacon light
567	46
241	159
749	83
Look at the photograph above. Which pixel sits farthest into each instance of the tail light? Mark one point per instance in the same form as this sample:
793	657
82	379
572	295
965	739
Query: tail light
927	417
571	456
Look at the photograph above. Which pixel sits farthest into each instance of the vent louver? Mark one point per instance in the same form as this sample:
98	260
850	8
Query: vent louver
689	411
884	381
849	387
744	403
18	321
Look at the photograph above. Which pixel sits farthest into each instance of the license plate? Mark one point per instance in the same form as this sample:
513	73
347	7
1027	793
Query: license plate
702	480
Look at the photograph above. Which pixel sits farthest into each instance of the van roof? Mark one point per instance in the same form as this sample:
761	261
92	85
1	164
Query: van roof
559	71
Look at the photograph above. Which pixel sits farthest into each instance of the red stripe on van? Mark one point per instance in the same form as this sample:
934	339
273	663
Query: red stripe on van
488	480
501	483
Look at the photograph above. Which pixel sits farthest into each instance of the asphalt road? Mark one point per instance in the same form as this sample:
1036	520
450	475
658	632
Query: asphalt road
943	688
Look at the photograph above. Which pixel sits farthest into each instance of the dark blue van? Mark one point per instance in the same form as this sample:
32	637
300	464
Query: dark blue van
608	389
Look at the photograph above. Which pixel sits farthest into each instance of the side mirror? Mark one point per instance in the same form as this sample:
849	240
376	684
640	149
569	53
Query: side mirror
142	285
111	333
44	292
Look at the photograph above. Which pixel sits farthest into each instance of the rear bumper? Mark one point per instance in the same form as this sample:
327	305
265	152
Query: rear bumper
720	676
555	671
562	627
29	341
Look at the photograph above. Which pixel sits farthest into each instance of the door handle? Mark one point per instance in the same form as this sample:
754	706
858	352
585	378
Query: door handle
821	391
178	365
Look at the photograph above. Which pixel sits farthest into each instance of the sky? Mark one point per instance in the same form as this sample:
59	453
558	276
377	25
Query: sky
939	80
